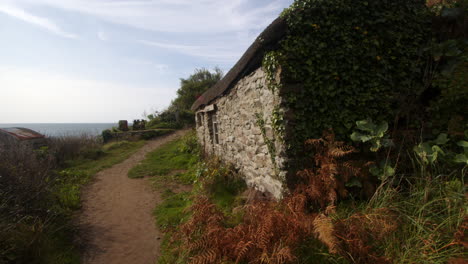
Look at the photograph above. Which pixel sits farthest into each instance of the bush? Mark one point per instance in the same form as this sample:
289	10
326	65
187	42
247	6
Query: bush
107	135
163	125
31	222
71	147
189	143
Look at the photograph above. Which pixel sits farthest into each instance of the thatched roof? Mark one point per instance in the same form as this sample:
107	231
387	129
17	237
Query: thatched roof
249	62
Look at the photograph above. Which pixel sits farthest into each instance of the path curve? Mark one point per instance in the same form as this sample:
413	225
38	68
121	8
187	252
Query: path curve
116	222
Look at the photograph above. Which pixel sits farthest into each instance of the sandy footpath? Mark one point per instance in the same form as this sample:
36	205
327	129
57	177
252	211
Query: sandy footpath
116	223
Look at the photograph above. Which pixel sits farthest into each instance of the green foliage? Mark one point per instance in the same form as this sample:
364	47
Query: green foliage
189	143
373	133
157	124
278	123
221	184
179	113
270	142
342	60
382	171
451	82
429	151
272	67
462	157
150	134
69	187
194	86
106	135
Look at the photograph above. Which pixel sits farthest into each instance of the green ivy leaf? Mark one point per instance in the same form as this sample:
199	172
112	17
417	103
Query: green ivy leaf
389	171
365	125
375	146
381	129
461	158
442	139
357	136
463	143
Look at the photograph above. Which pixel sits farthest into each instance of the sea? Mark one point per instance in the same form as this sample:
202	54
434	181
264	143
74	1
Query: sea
64	129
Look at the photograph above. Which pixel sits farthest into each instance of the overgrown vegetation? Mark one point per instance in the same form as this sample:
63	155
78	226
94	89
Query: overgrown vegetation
389	61
413	216
39	190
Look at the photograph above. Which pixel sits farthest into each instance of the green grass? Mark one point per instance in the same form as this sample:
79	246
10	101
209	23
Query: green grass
429	211
166	159
173	210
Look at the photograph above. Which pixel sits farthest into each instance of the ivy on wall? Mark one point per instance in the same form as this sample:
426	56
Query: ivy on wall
347	60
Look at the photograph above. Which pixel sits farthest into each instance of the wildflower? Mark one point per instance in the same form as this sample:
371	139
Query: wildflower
365	32
378	58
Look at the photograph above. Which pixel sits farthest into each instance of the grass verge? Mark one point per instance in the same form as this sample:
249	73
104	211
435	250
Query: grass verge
40	189
169	158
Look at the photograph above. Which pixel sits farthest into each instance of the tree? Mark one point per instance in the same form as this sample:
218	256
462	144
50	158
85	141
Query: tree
193	87
178	113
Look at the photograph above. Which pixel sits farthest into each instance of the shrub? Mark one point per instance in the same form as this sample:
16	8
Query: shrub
164	125
106	135
71	147
30	220
189	143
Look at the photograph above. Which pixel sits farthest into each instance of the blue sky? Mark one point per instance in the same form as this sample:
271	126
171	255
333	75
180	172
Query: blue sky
105	60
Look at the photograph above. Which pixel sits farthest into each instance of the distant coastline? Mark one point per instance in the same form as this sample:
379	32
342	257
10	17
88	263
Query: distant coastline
63	129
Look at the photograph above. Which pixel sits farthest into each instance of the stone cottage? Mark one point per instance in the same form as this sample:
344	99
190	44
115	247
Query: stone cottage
232	118
309	72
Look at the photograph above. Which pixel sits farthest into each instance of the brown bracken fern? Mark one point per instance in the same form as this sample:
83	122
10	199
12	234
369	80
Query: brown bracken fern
325	181
268	234
271	231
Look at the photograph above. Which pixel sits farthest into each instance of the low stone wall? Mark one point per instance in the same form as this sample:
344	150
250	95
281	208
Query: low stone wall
240	139
139	135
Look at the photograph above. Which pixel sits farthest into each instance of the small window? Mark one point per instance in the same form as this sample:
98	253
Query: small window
213	127
200	119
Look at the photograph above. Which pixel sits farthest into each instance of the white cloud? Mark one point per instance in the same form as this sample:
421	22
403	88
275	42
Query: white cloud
226	52
203	16
158	67
102	36
35	20
30	95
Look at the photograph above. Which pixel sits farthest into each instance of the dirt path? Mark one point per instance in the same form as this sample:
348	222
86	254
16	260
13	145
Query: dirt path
116	222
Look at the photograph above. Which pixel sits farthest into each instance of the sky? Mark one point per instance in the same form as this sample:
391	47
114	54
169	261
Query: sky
99	61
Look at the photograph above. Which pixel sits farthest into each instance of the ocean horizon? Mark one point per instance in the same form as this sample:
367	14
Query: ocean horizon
63	129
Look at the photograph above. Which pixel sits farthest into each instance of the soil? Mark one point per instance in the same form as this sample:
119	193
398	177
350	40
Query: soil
116	222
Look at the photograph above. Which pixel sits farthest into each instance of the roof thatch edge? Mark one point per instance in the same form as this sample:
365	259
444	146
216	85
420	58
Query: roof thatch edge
249	62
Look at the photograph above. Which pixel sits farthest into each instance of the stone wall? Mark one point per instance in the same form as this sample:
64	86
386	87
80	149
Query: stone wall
239	139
